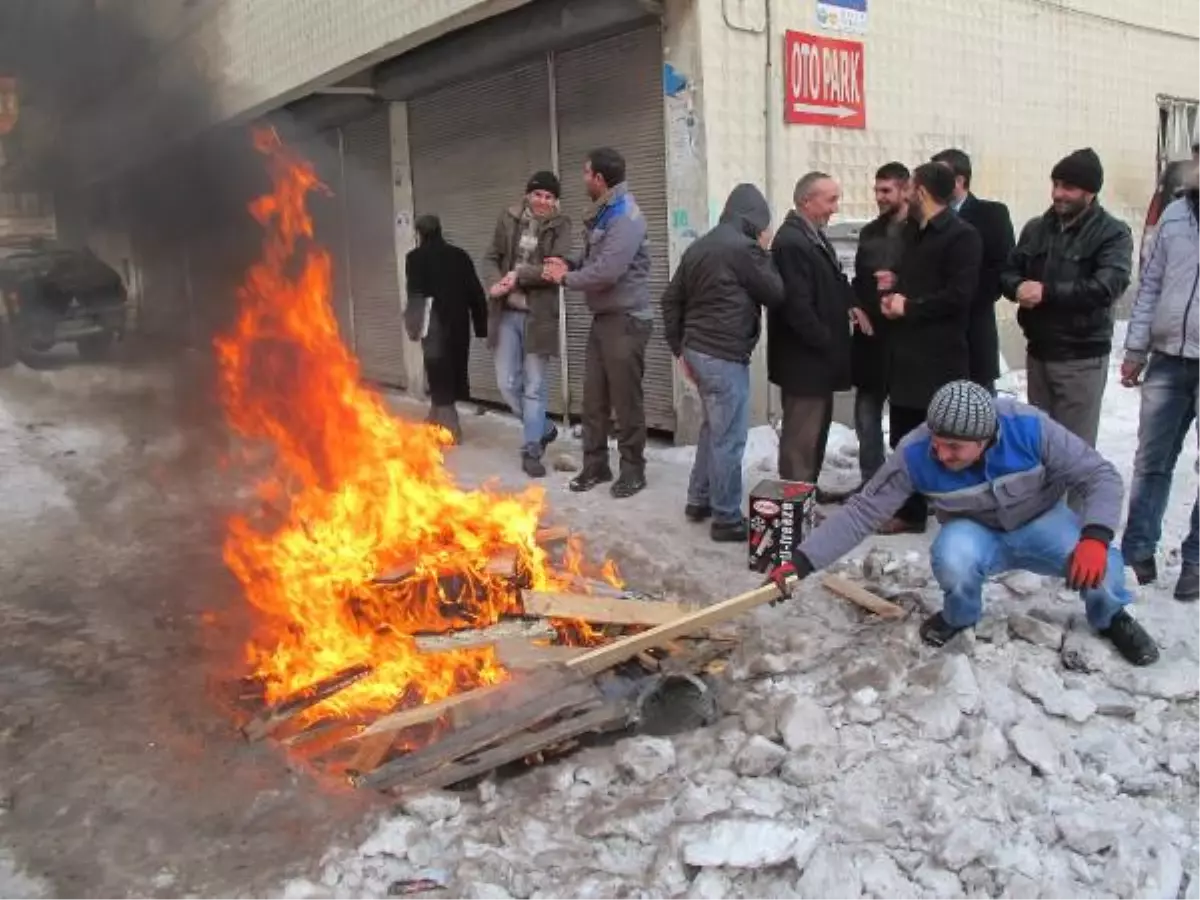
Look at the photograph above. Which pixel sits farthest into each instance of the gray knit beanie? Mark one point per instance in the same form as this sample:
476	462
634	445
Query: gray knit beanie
962	410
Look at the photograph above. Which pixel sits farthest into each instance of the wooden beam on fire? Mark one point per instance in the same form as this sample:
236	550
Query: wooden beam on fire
618	651
428	712
273	716
604	610
519	705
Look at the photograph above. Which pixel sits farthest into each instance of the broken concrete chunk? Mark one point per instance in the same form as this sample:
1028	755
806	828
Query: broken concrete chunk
804	723
742	843
958	681
967	841
1035	631
759	757
432	807
645	758
993	630
1084	651
1036	746
810	765
1085	831
1023	583
938	716
830	872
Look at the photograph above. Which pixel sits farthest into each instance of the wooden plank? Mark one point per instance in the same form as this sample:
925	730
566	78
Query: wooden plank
600	718
860	596
519	653
552	534
606	610
274	716
473	638
427	712
628	647
370	753
533	701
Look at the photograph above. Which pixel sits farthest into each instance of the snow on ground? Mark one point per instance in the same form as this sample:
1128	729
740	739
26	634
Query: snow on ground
1025	760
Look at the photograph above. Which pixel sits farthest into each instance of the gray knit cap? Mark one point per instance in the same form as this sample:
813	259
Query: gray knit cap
963	410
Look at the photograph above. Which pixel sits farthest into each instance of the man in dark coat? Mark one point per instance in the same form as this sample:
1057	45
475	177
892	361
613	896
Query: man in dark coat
927	305
444	299
991	219
711	312
808	337
523	309
1068	269
880	244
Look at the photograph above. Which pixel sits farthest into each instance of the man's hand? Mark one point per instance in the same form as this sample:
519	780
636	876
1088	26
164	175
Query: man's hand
1029	294
504	285
1087	565
554	270
893	305
860	320
686	371
765	237
885	280
786	576
1131	372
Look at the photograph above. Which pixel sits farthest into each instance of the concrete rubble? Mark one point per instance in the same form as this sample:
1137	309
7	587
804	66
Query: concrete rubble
881	768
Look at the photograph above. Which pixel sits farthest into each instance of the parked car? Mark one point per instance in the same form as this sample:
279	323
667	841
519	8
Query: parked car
54	294
1170	183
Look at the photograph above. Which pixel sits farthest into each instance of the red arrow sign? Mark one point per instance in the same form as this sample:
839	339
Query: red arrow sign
823	81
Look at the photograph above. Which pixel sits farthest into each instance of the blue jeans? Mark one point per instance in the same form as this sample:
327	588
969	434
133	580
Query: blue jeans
521	377
1168	411
716	480
966	553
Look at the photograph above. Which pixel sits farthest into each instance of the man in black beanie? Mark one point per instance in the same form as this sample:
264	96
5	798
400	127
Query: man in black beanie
1068	269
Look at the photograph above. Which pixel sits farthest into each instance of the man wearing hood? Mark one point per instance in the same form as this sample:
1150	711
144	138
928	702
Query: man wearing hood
1069	267
808	337
523	308
711	312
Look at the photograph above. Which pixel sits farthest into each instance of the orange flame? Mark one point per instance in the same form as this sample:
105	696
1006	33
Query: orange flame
352	493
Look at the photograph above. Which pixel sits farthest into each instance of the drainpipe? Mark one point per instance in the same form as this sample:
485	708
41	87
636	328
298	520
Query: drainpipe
565	376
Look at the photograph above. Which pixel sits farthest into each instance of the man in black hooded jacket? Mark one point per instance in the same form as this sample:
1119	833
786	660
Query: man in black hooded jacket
711	312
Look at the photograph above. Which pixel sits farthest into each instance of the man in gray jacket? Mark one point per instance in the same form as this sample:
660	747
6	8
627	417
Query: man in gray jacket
1161	350
996	473
614	276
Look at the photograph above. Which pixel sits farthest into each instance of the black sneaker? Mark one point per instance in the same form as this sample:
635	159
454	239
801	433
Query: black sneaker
936	631
533	466
1145	570
627	485
589	478
1187	588
550	436
696	512
729	532
1131	639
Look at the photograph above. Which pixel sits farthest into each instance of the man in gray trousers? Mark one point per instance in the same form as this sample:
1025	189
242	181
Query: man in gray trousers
614	276
996	473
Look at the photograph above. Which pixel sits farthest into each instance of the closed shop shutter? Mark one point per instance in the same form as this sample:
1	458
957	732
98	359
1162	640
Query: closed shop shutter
610	94
374	280
327	209
473	146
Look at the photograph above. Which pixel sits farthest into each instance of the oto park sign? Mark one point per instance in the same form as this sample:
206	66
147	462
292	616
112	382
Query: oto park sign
823	81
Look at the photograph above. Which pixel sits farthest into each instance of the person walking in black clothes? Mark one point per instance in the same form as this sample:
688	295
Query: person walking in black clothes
879	247
808	337
927	303
991	219
441	280
1069	267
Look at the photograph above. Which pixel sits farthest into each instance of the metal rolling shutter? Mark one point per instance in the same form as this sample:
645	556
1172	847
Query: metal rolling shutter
473	146
374	279
328	215
610	94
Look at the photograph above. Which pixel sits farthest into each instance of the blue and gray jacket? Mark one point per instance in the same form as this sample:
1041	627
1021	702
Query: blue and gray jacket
614	271
1027	471
1166	314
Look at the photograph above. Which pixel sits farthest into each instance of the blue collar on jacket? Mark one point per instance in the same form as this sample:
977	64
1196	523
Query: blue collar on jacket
1017	448
616	205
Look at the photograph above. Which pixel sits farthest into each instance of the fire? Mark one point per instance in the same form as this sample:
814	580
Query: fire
352	493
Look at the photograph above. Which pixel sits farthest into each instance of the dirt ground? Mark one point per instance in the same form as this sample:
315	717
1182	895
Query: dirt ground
123	777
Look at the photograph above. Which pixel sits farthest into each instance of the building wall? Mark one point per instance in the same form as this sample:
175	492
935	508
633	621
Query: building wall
1016	83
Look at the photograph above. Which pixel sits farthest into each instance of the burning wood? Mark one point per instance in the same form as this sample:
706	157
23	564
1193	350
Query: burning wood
274	716
614	610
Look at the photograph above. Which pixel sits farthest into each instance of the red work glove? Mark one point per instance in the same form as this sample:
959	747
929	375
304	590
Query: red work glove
786	575
1087	565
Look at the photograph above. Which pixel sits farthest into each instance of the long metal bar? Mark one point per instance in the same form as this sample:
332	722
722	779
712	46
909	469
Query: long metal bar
565	386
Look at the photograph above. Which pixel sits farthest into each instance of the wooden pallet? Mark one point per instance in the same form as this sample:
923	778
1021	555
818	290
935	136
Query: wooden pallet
554	696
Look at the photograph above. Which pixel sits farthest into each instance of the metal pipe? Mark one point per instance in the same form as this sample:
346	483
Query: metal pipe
768	148
565	376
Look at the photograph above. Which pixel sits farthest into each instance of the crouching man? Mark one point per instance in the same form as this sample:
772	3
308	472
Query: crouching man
996	473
